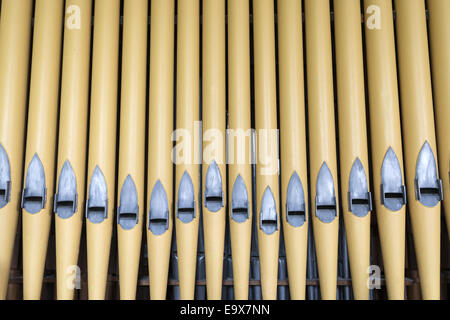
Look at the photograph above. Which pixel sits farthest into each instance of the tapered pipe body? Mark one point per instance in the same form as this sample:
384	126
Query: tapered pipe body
439	26
160	165
294	174
419	142
102	145
322	137
386	139
239	144
213	124
267	188
354	163
187	144
15	33
131	171
72	143
41	143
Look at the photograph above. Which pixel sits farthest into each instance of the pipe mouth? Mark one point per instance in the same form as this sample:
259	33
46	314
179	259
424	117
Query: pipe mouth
239	201
326	204
213	188
186	199
5	178
65	208
96	214
295	202
268	215
158	221
33	204
393	192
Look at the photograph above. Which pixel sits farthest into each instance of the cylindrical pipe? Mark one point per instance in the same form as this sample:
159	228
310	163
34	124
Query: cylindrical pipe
267	188
239	144
386	139
354	164
15	33
41	143
72	143
188	144
213	120
160	166
439	28
424	186
294	174
102	145
131	173
322	141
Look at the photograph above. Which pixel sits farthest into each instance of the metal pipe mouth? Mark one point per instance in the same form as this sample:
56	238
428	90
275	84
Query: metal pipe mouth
65	208
239	201
96	214
295	202
158	221
186	199
213	188
268	215
428	186
393	192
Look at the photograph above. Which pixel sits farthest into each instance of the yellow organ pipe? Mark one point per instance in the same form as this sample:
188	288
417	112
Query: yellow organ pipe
15	32
187	144
424	186
102	145
131	173
41	143
387	154
294	174
239	124
323	168
72	144
160	165
267	189
439	25
354	164
214	166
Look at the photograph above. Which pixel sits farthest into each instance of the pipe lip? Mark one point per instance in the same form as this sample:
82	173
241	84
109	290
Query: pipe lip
428	186
326	204
268	217
5	178
213	195
34	195
393	192
97	202
128	210
239	201
158	214
65	203
295	202
359	197
186	208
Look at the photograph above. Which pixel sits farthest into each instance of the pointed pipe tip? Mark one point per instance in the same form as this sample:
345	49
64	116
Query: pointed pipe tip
97	202
186	199
158	215
268	215
428	187
239	201
128	210
213	188
5	178
326	204
34	195
359	197
66	198
393	192
295	202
